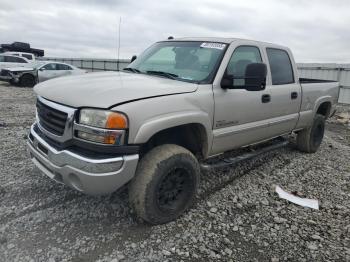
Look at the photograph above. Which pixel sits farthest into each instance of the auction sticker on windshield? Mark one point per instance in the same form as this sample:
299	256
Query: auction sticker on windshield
213	45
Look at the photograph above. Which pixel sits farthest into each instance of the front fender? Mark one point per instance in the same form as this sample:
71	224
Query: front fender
162	122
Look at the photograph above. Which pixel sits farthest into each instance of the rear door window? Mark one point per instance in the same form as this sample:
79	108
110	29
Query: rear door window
281	66
50	66
63	67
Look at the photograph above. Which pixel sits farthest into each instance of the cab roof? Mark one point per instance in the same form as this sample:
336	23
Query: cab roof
225	40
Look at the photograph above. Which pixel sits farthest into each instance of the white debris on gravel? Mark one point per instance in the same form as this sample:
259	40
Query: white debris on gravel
238	215
305	202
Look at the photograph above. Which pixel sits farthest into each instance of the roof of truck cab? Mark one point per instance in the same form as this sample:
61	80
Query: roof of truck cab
224	40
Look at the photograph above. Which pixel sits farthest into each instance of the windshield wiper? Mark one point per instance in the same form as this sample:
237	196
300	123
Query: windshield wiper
134	70
161	73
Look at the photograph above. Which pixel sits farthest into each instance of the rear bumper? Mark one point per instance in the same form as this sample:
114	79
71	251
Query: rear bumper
93	176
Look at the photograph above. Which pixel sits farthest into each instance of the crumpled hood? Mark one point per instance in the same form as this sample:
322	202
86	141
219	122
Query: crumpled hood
105	89
19	69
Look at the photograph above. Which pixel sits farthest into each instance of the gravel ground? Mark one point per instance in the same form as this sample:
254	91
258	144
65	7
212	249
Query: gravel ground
238	216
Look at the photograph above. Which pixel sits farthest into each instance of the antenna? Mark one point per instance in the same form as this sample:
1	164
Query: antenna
118	49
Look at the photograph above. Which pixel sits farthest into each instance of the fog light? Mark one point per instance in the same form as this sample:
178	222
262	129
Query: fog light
111	138
90	137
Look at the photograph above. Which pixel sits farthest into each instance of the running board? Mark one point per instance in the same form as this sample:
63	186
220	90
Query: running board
234	160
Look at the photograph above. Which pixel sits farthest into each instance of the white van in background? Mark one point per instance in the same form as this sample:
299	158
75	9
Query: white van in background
29	56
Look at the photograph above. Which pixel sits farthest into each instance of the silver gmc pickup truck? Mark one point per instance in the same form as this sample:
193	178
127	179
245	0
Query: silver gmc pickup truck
182	101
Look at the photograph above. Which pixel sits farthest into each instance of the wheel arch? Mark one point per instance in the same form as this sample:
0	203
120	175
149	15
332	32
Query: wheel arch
324	109
180	130
323	106
30	75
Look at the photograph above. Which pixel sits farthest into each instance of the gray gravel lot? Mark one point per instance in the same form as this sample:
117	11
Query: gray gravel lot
238	216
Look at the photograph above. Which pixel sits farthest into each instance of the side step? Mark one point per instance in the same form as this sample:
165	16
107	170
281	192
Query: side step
234	160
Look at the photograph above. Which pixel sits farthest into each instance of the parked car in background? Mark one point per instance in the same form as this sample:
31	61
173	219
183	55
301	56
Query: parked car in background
7	61
29	56
38	72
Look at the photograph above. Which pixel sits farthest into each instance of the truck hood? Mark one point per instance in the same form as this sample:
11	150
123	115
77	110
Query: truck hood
106	89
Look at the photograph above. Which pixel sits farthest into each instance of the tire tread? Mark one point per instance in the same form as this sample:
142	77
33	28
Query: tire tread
145	173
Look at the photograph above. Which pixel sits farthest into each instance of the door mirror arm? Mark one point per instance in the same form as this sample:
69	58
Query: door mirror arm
227	81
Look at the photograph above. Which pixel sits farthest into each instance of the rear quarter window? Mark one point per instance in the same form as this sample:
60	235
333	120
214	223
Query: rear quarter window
280	66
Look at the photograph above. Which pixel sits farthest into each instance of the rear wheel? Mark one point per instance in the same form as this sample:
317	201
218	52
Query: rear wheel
27	81
310	139
165	184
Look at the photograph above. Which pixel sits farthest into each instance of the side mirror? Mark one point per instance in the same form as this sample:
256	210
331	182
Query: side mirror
133	58
42	69
255	77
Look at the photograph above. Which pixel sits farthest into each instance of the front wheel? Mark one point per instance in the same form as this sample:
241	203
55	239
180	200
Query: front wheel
165	184
310	139
27	81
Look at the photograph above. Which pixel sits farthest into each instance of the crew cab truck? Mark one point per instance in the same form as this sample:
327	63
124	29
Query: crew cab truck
182	101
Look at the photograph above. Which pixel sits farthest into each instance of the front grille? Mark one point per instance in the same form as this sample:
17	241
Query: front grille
51	119
4	72
51	142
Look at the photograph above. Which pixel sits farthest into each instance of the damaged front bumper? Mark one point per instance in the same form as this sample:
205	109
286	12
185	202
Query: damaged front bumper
93	176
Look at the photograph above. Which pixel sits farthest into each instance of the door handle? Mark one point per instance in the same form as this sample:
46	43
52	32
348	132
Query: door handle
265	98
294	95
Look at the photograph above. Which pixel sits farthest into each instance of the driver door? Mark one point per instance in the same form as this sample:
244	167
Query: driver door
241	117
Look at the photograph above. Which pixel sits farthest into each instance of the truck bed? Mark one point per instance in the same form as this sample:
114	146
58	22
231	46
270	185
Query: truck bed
315	91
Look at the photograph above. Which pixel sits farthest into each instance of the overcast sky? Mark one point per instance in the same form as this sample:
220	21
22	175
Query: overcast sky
315	30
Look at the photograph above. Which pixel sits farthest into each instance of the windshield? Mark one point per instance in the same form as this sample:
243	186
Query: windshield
187	61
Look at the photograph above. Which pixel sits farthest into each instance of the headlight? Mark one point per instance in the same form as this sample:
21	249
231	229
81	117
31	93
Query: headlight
101	126
103	119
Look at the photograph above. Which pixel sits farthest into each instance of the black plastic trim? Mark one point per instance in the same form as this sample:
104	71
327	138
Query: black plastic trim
109	149
311	80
